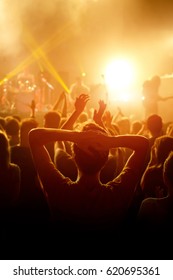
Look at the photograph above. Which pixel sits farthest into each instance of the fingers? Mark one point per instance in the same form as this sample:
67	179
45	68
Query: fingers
83	96
94	113
102	106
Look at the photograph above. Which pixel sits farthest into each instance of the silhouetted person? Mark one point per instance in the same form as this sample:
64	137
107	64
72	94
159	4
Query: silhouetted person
152	182
151	96
155	219
32	205
51	120
12	127
9	189
87	208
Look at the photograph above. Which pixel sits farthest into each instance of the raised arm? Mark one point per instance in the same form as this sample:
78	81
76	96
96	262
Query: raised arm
79	105
85	140
98	115
60	99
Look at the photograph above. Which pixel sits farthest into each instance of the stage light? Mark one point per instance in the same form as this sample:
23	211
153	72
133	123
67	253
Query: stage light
83	74
119	76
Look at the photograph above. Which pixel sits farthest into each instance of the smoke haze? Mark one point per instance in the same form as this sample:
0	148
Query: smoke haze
84	31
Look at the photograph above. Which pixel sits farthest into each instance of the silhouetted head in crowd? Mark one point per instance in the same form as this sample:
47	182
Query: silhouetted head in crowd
4	151
12	128
52	119
26	125
135	127
155	124
163	145
90	164
124	125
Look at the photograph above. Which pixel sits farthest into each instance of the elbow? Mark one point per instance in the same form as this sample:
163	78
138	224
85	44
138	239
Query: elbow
34	136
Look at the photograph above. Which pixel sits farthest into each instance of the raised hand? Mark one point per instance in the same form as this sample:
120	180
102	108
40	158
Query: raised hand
81	102
107	117
97	117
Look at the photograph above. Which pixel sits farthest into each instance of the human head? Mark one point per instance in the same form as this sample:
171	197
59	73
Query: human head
26	125
124	125
135	127
156	81
154	124
52	119
12	126
90	164
164	145
4	150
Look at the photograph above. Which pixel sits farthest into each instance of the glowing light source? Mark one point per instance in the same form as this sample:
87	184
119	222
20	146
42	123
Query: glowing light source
119	76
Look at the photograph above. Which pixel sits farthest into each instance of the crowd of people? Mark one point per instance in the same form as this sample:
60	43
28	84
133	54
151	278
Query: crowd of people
85	185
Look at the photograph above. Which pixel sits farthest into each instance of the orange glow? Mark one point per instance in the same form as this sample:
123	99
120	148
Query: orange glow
38	54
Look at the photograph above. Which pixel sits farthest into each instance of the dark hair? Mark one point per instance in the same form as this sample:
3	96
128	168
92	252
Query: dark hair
136	126
154	123
90	164
27	124
164	145
4	150
52	119
12	126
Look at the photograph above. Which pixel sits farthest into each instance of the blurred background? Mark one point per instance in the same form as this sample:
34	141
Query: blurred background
112	42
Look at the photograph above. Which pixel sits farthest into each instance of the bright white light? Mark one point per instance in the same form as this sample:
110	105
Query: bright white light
119	76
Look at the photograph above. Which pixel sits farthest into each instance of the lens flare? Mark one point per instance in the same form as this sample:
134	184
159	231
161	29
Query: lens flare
119	77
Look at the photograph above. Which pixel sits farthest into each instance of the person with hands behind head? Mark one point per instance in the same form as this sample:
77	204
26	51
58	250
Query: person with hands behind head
87	208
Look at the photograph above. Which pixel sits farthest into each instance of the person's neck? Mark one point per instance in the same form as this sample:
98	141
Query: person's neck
89	180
